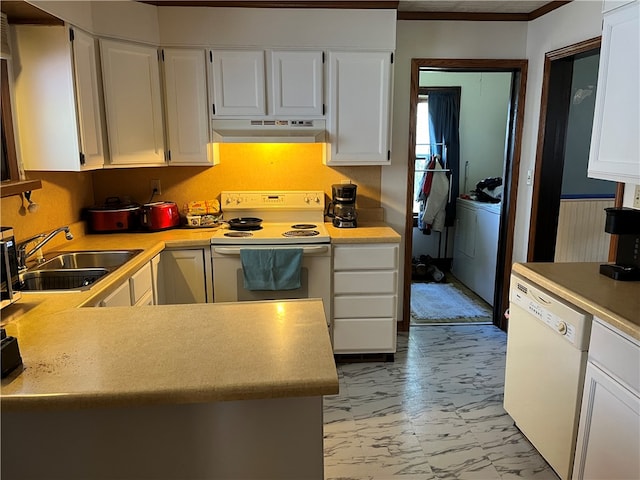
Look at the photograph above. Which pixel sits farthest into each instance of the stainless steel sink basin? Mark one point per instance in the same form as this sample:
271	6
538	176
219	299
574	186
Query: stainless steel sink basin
79	270
108	259
69	279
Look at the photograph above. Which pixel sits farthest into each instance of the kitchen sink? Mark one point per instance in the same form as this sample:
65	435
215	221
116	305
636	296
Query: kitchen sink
107	259
69	279
74	270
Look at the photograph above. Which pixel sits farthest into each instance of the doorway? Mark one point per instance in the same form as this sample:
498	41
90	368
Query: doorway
517	70
561	189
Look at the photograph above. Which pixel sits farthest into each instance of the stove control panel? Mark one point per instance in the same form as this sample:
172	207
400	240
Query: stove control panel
305	200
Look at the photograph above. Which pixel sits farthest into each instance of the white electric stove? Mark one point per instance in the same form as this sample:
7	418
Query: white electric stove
290	219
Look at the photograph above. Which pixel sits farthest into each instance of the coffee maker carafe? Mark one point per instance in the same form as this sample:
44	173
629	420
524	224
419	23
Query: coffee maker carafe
342	208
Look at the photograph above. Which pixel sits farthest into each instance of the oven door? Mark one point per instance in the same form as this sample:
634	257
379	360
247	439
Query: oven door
228	280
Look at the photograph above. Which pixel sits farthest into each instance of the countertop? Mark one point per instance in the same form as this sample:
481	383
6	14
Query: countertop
365	232
87	357
123	356
615	302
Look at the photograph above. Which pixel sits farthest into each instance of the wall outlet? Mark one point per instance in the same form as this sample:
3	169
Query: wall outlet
636	197
155	186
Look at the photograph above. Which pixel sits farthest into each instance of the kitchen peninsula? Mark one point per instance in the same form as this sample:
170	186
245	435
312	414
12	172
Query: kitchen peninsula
231	390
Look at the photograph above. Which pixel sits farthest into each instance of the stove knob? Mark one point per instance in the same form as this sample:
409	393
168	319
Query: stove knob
317	199
307	199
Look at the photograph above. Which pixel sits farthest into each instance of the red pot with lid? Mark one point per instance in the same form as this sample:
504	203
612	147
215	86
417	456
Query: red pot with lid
114	215
160	216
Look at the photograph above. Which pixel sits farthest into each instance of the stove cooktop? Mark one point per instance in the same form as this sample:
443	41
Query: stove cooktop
274	234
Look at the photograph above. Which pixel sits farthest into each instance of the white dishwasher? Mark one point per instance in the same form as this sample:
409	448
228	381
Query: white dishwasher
547	345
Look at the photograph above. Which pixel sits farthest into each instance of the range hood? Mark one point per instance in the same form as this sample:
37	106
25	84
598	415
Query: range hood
269	131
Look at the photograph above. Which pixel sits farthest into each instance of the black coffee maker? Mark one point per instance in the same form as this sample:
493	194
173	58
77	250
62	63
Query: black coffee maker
624	222
342	208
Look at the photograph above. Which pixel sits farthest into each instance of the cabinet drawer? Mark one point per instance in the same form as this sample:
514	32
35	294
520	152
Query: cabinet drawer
364	306
616	354
365	282
355	335
366	257
141	283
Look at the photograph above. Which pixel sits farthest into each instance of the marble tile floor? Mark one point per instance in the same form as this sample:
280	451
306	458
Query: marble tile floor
434	413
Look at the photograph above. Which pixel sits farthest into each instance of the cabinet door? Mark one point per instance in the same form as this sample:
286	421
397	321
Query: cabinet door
44	97
296	83
186	104
359	108
184	276
132	102
90	113
121	297
238	83
609	432
615	152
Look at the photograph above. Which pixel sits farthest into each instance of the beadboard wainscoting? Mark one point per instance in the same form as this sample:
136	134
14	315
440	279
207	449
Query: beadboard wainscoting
581	236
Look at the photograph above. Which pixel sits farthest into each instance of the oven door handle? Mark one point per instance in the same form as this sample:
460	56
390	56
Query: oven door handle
305	250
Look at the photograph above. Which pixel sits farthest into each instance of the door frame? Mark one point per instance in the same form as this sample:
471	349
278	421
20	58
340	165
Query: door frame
546	169
511	172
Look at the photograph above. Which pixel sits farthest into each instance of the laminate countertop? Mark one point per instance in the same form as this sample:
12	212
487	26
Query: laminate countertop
615	302
172	354
365	232
77	356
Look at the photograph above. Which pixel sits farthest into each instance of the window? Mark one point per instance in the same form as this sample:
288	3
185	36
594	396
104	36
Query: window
422	147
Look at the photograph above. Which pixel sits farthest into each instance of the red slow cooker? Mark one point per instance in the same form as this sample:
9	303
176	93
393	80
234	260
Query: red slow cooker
160	215
114	216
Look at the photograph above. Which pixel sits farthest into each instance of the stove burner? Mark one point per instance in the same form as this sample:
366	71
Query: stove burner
301	233
238	234
303	226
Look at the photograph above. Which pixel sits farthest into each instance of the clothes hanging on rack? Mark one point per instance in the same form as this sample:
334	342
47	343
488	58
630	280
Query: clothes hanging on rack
433	195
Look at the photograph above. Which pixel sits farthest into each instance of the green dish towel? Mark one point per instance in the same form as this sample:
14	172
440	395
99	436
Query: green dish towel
271	268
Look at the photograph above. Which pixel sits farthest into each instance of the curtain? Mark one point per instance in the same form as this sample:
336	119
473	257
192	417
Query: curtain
444	121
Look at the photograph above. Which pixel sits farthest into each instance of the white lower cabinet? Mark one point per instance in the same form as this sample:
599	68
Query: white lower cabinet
185	276
609	429
137	290
365	296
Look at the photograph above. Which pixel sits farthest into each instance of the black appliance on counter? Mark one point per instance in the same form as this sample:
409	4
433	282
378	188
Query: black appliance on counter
342	208
9	267
624	222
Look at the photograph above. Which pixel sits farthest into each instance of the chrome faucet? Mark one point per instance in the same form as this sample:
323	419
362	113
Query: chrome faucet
23	255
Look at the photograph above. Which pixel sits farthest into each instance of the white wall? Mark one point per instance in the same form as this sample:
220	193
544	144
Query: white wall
278	27
122	19
484	108
572	23
434	39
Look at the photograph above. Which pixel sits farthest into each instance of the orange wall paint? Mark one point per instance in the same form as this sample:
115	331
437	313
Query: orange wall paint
242	167
60	202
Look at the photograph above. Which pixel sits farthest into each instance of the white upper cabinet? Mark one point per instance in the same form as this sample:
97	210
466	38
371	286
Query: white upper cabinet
131	78
359	108
296	83
615	151
239	83
291	87
186	104
58	110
